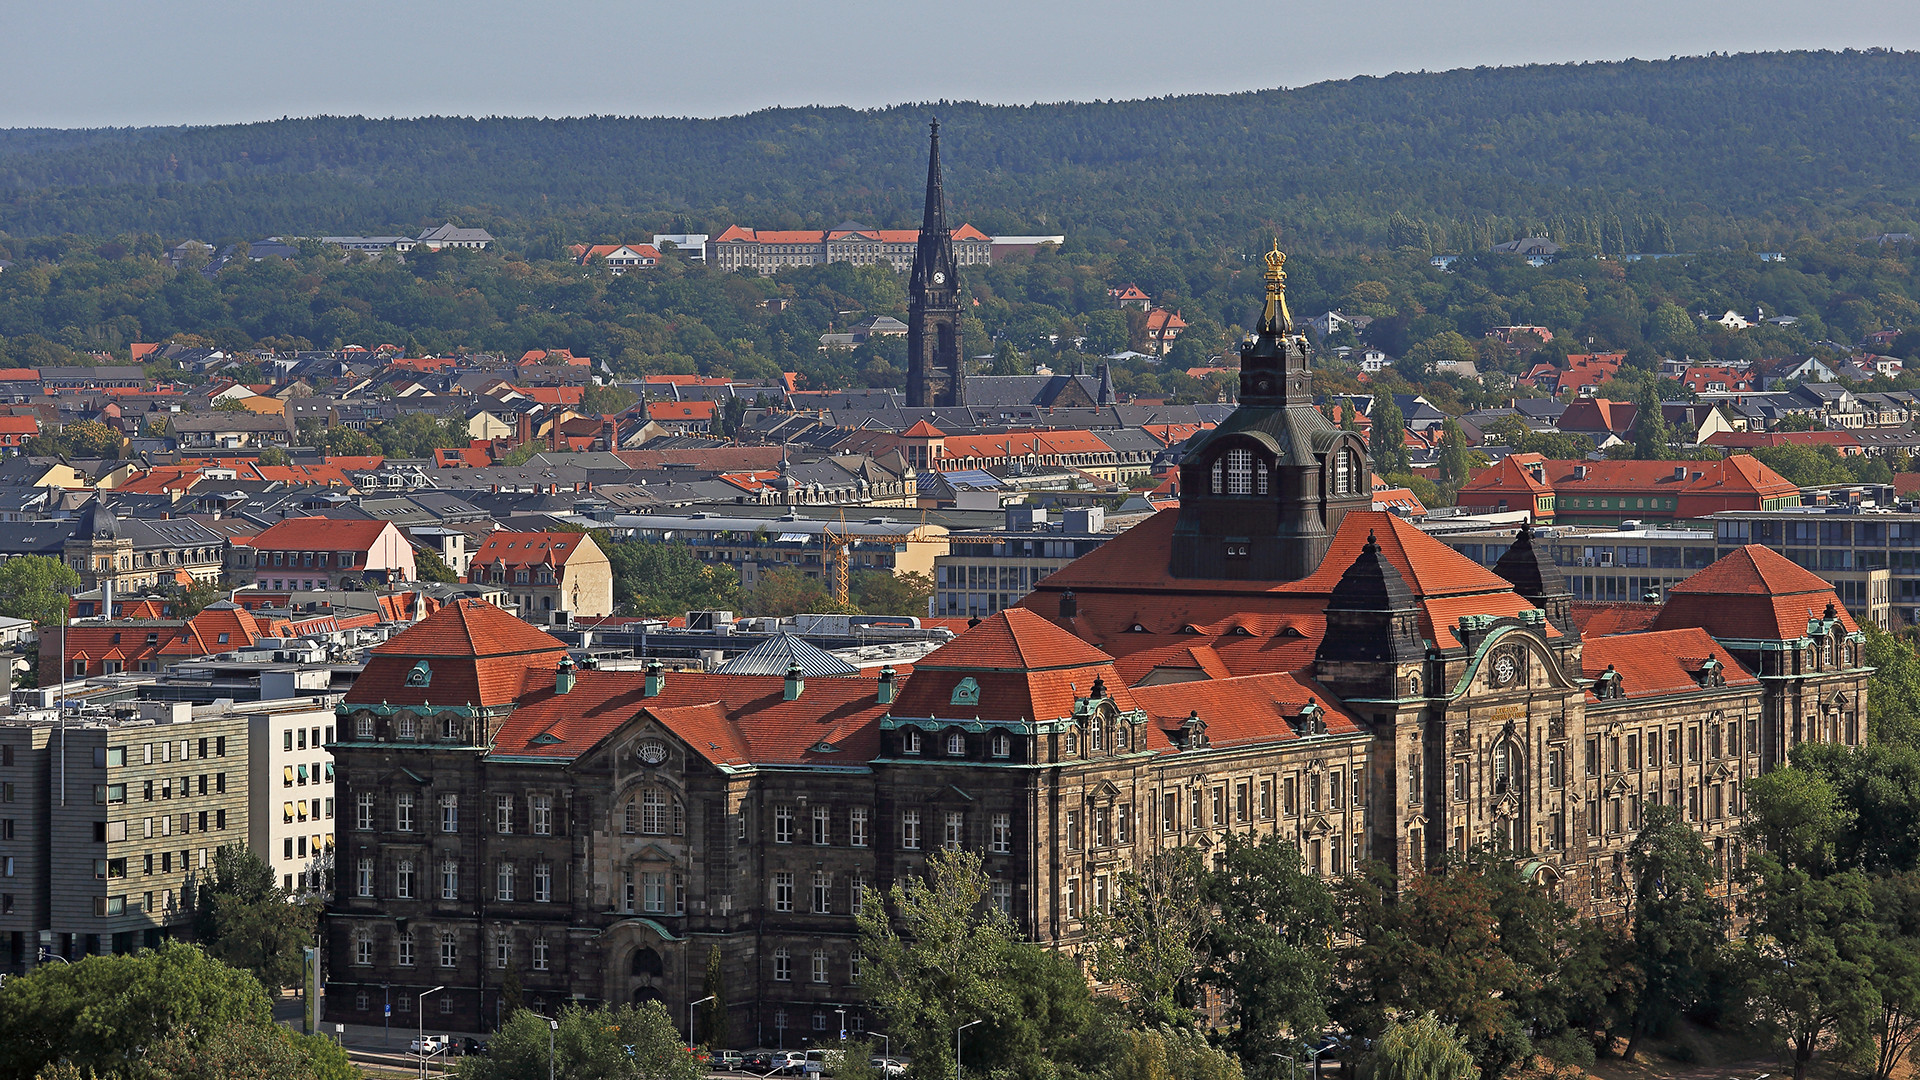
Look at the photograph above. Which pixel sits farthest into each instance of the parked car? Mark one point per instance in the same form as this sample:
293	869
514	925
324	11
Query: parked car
888	1067
428	1044
760	1061
730	1060
788	1063
467	1045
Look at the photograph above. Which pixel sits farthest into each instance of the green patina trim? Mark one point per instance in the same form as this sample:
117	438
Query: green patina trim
383	709
978	726
1480	653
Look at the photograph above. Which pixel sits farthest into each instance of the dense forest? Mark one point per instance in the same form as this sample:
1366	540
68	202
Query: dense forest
1692	153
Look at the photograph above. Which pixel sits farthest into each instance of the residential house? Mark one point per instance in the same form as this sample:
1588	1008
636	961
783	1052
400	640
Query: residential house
450	235
305	553
545	572
1609	492
231	430
620	257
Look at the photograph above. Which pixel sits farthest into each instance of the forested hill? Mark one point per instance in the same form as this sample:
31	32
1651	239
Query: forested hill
1755	148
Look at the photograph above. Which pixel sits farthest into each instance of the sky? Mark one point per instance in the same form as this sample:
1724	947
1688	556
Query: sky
100	63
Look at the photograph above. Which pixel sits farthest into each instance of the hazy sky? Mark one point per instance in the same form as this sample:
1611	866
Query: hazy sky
75	63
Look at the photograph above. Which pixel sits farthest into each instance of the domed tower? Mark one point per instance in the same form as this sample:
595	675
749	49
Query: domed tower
1262	494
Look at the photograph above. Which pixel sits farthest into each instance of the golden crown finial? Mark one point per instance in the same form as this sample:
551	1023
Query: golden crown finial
1276	313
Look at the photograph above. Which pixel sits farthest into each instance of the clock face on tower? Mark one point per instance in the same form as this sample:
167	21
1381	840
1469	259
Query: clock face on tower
939	277
1503	670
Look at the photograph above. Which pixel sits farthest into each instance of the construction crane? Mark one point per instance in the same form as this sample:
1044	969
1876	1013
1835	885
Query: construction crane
834	546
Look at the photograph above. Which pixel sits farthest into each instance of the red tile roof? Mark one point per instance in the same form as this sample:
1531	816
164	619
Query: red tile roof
1751	592
1026	669
1241	711
530	548
681	410
923	430
1660	662
319	534
1843	441
1596	619
727	719
478	655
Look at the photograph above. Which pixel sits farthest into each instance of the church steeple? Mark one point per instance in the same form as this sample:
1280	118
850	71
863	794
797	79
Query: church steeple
1262	494
936	373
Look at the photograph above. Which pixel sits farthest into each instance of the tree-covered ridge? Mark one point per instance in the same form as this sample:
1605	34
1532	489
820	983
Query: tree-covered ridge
1716	150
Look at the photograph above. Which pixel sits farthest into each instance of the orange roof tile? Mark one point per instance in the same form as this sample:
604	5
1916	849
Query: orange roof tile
1751	592
319	534
477	653
529	548
923	430
1245	710
1659	662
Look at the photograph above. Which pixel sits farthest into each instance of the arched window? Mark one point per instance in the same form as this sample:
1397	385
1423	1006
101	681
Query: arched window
647	962
1239	472
653	813
1219	470
956	744
632	824
1506	767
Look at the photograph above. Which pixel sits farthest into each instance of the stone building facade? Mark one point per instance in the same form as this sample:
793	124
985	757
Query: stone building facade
1272	658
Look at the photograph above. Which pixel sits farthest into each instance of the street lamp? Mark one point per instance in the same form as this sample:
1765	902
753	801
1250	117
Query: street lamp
1323	1048
552	1026
690	1008
886	1043
956	1045
422	1016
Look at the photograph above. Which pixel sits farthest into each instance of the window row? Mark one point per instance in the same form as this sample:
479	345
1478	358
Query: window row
1656	748
116	794
446	952
1244	800
118	757
510	880
538	820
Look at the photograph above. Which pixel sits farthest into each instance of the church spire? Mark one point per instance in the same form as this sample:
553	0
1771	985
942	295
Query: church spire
936	372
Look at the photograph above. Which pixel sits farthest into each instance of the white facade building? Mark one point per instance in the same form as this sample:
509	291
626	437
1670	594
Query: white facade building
291	816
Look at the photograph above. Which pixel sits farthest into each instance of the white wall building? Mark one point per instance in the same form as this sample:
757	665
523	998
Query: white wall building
291	812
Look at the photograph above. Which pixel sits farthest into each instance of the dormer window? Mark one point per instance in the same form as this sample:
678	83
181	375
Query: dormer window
956	744
1070	742
1002	746
910	741
1239	471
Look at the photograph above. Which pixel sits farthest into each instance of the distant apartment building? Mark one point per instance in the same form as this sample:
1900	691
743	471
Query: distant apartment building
991	570
546	571
1612	492
291	809
322	553
109	825
768	251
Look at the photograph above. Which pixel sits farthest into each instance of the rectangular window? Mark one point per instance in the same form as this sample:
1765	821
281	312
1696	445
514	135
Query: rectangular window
910	829
783	824
503	814
403	813
542	815
502	949
1290	796
857	826
653	892
449	813
1266	800
1693	743
1673	746
363	879
1219	806
449	951
857	892
1125	823
542	883
1002	839
403	880
404	958
1003	897
955	830
783	890
1102	827
503	882
822	895
1593	756
1073	898
1170	813
1336	795
819	970
1556	769
1073	830
822	825
1633	750
782	966
449	880
539	954
1242	806
1459	781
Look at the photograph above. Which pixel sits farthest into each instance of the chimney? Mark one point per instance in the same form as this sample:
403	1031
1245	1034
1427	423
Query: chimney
886	685
656	678
563	678
795	684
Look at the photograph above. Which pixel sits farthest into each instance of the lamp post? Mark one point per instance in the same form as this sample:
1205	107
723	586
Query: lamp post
956	1045
1323	1048
886	1043
422	1017
552	1026
690	1008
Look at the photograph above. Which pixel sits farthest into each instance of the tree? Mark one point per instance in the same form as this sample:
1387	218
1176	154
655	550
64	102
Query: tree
607	400
229	405
1423	1048
190	600
626	1042
1436	947
101	1013
935	952
1168	1053
1007	361
714	1027
883	592
1652	441
1893	695
1798	816
429	566
272	455
1266	945
1389	437
1678	926
36	587
1896	971
248	1051
666	579
247	920
787	591
1453	454
1149	942
1809	957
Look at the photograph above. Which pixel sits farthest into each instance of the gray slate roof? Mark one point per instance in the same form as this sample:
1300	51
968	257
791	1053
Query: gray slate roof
776	655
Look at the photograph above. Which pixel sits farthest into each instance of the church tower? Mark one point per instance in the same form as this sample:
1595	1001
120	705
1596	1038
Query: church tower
936	372
1262	494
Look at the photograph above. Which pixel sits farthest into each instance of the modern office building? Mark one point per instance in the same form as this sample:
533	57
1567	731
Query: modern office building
291	811
991	569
